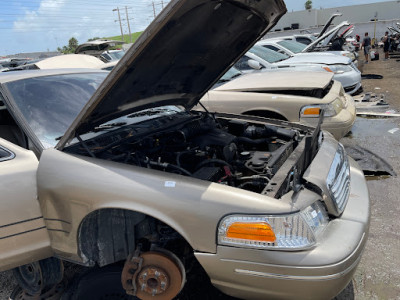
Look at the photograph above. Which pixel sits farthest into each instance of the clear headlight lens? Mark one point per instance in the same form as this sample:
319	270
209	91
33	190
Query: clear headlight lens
338	69
330	110
284	232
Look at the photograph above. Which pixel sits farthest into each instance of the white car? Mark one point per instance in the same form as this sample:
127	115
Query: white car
293	48
259	58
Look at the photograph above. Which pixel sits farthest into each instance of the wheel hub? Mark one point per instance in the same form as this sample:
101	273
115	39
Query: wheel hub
153	280
153	275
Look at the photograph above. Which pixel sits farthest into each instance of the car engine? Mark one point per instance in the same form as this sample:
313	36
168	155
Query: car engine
233	152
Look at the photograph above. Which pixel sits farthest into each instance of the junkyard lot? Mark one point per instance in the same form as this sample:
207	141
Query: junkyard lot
378	274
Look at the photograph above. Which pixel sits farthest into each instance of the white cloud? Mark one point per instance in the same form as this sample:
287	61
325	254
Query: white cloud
54	22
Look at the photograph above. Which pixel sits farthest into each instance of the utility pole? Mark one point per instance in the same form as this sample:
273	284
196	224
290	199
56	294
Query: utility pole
154	10
162	4
120	24
129	26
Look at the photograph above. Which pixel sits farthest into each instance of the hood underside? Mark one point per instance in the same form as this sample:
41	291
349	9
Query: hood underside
278	81
183	52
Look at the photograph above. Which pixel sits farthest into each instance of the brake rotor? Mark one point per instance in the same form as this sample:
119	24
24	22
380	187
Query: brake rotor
161	276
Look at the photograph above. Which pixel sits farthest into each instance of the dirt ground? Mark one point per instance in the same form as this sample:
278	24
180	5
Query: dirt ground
390	85
378	275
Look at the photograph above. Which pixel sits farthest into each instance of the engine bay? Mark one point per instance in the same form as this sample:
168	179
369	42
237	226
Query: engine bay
232	152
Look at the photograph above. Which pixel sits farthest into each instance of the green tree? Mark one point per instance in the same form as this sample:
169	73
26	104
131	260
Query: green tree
308	4
93	39
72	45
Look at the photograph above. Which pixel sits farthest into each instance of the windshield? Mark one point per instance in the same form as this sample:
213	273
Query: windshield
268	54
113	55
50	104
293	46
232	73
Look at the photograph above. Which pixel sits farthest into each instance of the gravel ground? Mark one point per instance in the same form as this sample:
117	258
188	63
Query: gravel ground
378	275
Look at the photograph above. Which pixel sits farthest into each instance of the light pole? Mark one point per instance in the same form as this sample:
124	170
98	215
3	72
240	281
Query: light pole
120	24
375	18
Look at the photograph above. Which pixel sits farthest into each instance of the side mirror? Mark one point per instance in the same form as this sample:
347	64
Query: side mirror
254	64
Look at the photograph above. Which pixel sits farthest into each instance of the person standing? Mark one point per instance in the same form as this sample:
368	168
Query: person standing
367	46
386	44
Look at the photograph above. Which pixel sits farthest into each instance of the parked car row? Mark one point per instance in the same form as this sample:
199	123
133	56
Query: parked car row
146	165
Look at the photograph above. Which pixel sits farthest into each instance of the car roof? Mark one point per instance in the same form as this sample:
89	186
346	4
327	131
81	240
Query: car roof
25	74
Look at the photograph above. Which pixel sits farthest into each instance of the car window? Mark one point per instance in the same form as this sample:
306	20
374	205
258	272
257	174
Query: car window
293	46
271	47
5	154
230	74
106	56
49	104
268	54
242	63
303	40
116	55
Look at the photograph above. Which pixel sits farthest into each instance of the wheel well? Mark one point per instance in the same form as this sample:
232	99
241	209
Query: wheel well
265	114
109	235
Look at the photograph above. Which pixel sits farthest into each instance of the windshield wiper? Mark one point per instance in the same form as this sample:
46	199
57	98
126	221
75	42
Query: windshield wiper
236	75
108	126
150	112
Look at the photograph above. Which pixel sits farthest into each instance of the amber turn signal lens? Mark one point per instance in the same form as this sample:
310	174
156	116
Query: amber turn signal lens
311	111
260	231
327	69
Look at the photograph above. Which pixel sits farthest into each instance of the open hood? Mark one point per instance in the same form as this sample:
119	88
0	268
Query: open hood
328	23
393	30
315	58
96	47
277	80
326	38
178	58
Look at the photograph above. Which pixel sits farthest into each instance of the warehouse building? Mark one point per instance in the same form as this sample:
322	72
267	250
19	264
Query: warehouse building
364	13
361	16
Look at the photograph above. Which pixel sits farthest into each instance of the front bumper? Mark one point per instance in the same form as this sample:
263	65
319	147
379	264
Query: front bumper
351	81
319	273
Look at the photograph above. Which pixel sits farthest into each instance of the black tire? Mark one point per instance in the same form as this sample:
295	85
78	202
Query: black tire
98	284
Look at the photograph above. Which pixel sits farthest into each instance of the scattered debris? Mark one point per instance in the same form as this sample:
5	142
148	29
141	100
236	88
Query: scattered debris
394	130
377	114
371	163
377	88
371	76
370	100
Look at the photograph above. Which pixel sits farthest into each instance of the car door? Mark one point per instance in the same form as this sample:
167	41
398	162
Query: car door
23	234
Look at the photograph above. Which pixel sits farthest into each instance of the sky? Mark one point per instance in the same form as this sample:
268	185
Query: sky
44	25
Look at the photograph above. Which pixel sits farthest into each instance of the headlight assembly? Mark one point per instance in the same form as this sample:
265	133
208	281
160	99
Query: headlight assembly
284	232
338	69
330	110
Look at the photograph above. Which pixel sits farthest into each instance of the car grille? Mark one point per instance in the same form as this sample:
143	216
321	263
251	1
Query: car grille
350	88
338	180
